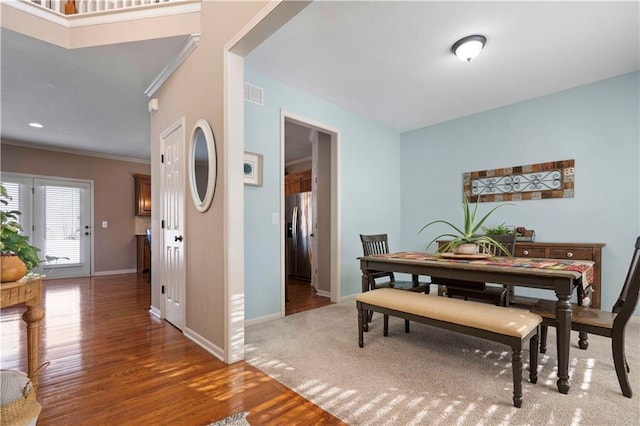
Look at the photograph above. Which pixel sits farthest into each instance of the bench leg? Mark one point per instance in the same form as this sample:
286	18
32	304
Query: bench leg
533	358
406	326
386	325
543	339
361	323
368	316
516	362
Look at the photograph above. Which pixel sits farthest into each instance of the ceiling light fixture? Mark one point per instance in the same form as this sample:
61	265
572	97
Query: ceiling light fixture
36	125
467	48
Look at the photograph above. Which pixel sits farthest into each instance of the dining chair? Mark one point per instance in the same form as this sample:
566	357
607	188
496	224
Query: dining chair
498	295
379	244
607	324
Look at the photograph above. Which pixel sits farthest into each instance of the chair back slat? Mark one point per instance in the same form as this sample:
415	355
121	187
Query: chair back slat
374	244
628	299
507	240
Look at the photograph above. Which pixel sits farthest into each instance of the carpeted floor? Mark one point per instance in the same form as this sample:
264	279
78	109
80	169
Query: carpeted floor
435	377
238	419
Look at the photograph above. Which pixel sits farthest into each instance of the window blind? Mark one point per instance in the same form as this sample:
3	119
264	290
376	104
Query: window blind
62	224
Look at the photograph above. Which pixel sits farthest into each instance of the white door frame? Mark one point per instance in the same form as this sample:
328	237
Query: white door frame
335	202
273	16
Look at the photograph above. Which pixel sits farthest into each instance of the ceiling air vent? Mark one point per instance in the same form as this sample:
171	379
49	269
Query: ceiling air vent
253	94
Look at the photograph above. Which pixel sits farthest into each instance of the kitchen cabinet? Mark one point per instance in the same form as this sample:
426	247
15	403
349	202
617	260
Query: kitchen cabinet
297	182
142	195
143	254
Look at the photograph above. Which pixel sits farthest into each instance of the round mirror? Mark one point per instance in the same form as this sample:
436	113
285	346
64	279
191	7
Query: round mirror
202	165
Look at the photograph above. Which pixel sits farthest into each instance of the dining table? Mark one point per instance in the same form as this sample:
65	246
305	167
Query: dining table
559	275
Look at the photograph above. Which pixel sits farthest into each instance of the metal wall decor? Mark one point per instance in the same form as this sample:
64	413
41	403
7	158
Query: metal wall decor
554	179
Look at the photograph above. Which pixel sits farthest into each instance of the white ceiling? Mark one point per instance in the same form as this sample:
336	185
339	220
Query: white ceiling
89	99
389	61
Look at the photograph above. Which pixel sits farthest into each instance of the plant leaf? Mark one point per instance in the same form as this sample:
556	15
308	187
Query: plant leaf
479	224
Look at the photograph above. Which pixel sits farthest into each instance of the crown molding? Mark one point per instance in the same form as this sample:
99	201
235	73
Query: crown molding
173	65
33	145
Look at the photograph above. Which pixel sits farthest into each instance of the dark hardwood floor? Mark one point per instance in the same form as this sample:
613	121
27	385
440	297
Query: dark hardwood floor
112	363
302	297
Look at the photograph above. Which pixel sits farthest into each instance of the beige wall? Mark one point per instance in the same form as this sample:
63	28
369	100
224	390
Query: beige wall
113	185
194	91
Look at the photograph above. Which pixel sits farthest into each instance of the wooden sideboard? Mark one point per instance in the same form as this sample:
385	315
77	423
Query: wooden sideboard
28	290
574	251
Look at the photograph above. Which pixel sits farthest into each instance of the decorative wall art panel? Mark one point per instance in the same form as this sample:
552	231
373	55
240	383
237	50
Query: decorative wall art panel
554	179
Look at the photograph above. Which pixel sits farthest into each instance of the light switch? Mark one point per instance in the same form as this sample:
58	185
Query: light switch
105	224
275	219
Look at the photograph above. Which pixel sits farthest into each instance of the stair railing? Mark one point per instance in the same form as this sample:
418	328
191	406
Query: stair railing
72	7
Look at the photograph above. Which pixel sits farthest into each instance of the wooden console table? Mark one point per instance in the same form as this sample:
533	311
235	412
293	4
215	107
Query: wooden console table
28	290
570	251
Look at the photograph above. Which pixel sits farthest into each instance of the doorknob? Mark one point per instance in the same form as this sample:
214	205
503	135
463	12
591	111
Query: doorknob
178	238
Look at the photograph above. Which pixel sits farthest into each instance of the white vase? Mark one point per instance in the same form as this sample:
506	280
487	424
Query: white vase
467	248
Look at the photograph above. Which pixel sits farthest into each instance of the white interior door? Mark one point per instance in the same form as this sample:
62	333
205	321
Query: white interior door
174	275
56	214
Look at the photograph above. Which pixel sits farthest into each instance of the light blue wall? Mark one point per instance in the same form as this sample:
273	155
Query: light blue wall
369	181
597	125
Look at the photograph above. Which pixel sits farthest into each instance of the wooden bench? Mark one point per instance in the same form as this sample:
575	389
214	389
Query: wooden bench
510	326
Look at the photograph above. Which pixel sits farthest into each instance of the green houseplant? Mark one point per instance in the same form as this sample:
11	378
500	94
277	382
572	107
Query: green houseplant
466	240
498	230
13	243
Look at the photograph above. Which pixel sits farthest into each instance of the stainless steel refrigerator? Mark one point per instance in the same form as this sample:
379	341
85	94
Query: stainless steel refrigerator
299	232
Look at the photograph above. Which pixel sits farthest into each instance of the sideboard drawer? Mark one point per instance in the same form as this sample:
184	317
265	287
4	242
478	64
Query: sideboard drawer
571	253
529	252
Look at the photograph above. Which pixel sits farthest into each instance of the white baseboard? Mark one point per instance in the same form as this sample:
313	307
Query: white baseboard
121	271
349	298
155	312
265	318
324	293
204	343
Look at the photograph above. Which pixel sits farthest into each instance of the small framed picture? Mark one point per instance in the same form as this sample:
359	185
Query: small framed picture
252	169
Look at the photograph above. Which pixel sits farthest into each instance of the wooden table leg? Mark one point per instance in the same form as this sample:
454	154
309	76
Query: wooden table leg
563	328
365	287
32	317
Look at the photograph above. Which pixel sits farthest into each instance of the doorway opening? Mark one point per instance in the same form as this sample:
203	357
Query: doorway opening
308	167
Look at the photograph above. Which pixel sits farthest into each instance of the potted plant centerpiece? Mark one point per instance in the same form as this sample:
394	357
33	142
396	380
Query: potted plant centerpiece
466	240
18	256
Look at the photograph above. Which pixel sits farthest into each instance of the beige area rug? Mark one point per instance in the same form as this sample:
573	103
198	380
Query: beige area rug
238	419
435	377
